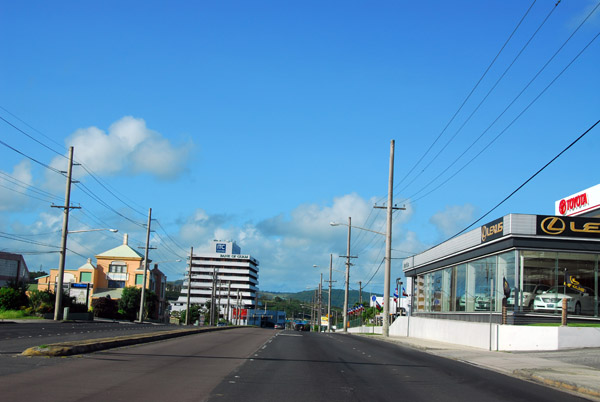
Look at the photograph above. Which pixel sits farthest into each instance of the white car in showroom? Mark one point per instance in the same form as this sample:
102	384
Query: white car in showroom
577	302
529	292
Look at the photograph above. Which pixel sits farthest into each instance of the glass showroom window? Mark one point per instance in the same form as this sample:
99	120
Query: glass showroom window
460	286
506	270
579	272
420	293
538	272
446	289
479	275
436	291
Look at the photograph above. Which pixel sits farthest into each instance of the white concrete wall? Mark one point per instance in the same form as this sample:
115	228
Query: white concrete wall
573	337
519	337
472	334
503	337
365	330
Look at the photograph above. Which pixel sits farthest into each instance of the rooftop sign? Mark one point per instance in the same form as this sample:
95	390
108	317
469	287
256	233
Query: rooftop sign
579	203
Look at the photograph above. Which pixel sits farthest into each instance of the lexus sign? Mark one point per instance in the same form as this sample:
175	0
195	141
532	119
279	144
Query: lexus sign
561	226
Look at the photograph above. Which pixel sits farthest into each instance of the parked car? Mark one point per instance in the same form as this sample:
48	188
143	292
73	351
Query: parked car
529	291
577	302
279	326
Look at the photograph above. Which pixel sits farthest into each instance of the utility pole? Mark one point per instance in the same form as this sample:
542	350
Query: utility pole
388	246
320	301
219	284
212	298
189	291
359	292
348	256
239	313
143	297
63	244
228	299
329	296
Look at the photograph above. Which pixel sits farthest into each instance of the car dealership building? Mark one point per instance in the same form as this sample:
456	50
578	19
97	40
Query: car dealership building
535	259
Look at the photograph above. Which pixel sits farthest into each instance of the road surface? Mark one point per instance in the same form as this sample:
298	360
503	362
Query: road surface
254	364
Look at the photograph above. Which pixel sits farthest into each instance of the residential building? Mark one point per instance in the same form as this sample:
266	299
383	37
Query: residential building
224	275
115	269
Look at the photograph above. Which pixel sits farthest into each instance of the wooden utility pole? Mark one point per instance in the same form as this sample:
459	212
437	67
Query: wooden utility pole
63	244
143	296
189	290
388	245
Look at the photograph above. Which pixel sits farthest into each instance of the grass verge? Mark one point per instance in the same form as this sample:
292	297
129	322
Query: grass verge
16	315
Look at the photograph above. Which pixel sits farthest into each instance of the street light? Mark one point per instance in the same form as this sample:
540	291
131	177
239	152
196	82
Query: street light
61	267
92	230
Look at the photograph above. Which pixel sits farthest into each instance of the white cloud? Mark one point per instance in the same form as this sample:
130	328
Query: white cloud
453	218
288	246
11	188
128	147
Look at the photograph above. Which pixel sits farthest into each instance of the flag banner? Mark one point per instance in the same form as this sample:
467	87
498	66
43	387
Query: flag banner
505	287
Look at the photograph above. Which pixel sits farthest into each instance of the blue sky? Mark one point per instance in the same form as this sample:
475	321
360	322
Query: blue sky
261	122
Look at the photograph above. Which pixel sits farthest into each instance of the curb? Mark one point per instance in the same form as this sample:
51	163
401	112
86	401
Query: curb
535	376
94	345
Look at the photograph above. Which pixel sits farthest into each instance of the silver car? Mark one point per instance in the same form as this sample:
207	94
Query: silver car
529	292
577	302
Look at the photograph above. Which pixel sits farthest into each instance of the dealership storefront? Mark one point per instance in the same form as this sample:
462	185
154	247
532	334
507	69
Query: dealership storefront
536	259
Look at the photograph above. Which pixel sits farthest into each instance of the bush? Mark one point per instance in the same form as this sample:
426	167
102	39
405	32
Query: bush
10	299
105	307
41	302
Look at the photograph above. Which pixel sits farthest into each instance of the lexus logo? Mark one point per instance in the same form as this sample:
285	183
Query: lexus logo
553	225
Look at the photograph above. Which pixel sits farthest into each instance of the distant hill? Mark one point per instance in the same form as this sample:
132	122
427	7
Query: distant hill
337	296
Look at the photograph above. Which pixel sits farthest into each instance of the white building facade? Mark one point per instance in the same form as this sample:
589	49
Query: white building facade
224	275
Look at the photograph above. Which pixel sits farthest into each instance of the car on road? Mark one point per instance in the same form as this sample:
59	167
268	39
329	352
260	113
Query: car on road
529	292
578	302
279	326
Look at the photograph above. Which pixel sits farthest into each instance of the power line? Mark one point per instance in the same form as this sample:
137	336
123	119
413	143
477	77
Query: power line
486	97
32	159
34	129
98	180
468	96
530	178
504	111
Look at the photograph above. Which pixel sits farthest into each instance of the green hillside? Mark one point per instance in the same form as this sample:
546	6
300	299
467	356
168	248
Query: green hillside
337	296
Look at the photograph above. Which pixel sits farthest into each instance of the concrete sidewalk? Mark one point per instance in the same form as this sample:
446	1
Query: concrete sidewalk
552	369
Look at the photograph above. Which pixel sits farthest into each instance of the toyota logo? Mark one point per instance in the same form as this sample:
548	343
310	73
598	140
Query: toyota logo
553	225
562	207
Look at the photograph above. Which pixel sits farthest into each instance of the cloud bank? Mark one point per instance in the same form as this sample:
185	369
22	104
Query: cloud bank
128	147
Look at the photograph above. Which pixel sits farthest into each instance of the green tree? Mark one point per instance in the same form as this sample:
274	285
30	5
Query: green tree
36	274
195	311
129	304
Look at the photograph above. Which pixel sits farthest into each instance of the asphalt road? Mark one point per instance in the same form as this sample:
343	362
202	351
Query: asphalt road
16	337
181	369
253	364
297	366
